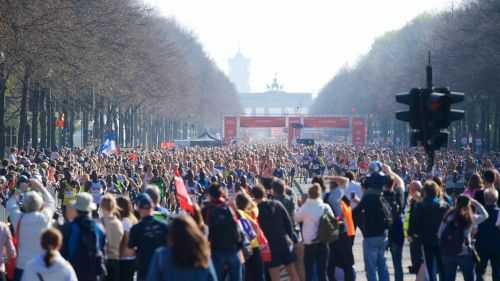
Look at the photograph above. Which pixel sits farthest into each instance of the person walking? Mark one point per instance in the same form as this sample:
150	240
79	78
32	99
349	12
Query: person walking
254	265
455	237
127	255
279	188
278	229
428	216
353	192
114	236
147	235
371	219
475	188
7	249
341	259
84	239
36	215
50	266
416	255
315	252
488	237
186	258
224	234
396	233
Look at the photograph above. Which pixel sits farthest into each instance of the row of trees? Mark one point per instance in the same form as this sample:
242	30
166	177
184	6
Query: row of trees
465	55
103	65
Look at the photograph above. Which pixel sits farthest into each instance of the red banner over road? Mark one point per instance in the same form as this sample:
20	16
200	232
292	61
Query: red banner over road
356	124
326	122
262	122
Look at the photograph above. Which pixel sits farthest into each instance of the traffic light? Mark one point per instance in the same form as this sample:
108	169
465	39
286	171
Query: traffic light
441	101
412	99
414	115
429	115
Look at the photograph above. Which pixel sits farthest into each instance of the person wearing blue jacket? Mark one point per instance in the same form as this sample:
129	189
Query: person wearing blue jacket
186	258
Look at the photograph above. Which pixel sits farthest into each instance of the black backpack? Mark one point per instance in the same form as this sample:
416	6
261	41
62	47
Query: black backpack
387	209
224	232
452	239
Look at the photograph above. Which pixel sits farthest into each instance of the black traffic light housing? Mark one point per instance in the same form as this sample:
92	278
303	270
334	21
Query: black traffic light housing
430	114
411	116
440	102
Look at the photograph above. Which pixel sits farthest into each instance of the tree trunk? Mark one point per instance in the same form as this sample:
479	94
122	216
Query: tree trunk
71	124
43	118
3	89
64	133
35	93
51	121
96	116
131	129
23	115
85	127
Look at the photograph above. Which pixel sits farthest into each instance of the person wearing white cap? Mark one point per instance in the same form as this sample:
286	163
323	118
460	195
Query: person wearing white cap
84	241
38	207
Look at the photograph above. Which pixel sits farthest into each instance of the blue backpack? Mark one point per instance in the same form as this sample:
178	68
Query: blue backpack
85	251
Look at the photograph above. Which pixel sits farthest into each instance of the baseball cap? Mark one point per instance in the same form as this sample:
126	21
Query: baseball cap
143	201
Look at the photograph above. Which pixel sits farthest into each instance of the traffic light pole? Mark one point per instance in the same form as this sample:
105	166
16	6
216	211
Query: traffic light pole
428	148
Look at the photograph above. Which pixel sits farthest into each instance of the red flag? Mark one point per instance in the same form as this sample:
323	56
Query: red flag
183	196
133	157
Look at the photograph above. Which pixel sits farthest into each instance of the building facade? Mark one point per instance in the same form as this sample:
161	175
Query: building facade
275	101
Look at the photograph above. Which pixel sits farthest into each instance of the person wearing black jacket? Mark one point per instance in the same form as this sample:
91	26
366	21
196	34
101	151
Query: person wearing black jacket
370	218
488	237
416	255
428	216
223	233
278	229
396	232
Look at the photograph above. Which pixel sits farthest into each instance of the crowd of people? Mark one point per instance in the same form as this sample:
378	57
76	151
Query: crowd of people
75	214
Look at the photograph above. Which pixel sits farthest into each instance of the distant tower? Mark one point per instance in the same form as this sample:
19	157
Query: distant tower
239	72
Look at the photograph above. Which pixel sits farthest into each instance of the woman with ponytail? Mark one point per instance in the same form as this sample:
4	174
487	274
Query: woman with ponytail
50	266
455	237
